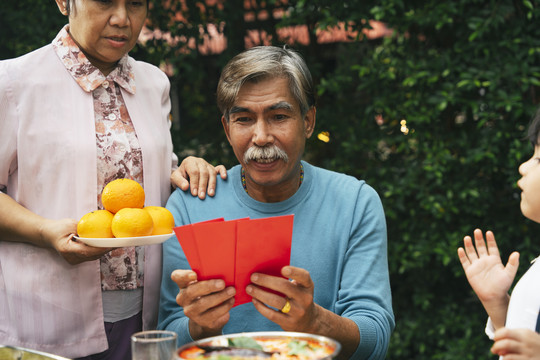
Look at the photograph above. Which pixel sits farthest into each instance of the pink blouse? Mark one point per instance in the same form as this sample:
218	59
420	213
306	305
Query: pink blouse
118	151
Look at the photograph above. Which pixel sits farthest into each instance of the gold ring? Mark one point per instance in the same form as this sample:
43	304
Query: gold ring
286	308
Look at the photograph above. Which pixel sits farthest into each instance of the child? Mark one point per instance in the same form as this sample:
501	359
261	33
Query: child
512	320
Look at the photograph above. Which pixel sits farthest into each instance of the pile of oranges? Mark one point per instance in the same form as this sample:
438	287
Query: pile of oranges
125	214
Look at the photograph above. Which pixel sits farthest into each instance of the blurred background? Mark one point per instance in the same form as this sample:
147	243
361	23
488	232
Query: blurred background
426	100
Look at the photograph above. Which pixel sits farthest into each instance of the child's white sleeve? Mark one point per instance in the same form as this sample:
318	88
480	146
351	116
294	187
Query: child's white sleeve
490	330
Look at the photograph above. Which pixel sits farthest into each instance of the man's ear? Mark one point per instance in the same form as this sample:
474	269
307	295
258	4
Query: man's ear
225	124
309	121
62	6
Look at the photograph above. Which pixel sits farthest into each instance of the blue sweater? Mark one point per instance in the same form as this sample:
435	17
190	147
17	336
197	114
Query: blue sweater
339	236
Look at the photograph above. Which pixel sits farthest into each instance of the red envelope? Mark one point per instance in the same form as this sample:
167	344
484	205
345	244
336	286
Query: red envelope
216	244
186	238
233	250
264	246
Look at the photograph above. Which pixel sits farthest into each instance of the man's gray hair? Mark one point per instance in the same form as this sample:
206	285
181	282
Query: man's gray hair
263	62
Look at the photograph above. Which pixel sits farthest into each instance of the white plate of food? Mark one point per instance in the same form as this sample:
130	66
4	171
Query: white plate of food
262	345
125	241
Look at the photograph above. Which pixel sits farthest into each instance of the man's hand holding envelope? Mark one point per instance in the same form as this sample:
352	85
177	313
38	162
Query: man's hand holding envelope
230	258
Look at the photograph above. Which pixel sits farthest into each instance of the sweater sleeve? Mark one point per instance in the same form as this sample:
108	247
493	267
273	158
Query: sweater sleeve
171	315
364	294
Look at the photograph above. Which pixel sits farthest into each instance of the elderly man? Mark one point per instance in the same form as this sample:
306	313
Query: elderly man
337	284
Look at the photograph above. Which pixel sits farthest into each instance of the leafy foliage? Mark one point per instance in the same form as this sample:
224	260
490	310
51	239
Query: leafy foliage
27	25
463	75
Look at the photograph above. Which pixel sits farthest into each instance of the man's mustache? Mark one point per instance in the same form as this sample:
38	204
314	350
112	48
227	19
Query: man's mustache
265	154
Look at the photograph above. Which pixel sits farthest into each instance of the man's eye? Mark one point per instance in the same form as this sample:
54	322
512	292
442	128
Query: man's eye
280	117
242	119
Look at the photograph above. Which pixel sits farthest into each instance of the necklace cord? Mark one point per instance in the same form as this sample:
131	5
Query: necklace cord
243	172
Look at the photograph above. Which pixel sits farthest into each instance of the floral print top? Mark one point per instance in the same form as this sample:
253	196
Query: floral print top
118	152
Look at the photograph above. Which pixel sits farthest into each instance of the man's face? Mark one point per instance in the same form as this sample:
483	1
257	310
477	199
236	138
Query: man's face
266	115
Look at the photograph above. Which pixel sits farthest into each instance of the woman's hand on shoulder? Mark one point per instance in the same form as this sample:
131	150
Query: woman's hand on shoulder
198	175
58	234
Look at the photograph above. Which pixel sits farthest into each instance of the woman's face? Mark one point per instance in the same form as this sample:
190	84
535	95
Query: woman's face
105	30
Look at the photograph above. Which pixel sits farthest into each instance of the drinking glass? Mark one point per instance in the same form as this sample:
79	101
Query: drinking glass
153	345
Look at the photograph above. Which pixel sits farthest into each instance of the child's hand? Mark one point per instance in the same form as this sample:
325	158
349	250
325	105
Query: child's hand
516	344
486	274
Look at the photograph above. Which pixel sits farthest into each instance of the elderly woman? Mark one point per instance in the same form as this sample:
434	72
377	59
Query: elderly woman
75	115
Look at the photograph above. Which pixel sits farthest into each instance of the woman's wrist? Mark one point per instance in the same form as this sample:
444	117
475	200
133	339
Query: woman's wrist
43	234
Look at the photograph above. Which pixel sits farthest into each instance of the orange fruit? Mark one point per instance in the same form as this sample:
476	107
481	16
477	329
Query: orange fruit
96	224
163	219
129	222
122	193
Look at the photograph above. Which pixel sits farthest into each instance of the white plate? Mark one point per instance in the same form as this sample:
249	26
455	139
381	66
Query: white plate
126	241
